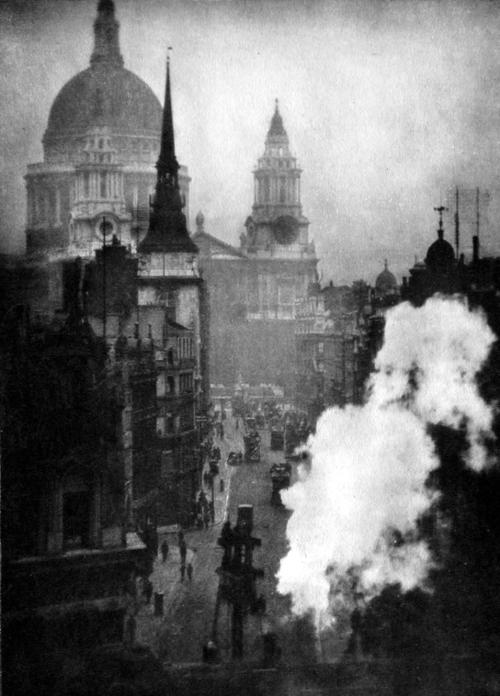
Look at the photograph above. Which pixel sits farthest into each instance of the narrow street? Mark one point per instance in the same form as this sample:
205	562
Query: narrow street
189	605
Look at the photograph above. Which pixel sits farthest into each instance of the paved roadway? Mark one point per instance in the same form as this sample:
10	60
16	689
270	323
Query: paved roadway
189	606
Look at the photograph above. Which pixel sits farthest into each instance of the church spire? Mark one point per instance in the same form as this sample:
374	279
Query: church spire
276	128
167	164
106	39
167	223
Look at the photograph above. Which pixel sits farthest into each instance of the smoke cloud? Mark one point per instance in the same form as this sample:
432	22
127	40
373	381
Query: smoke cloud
356	505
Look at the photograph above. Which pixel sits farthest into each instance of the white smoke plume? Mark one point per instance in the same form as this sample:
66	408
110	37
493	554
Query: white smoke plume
357	504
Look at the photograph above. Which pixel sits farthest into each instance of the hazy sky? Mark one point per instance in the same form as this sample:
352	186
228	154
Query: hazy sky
387	105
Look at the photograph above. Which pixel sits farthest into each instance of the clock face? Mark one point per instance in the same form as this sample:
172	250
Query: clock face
285	229
104	228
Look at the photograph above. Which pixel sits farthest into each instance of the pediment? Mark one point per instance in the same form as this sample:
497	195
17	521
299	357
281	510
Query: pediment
215	248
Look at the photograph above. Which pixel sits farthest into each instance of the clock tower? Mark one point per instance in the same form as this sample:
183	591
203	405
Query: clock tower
277	227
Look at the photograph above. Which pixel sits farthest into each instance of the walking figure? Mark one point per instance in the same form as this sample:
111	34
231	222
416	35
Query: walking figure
164	551
183	569
183	551
130	626
148	590
189	569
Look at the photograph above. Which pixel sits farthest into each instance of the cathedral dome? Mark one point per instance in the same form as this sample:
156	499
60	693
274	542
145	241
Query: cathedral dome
386	281
104	96
440	255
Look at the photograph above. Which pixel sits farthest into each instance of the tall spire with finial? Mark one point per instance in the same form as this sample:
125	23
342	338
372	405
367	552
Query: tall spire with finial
167	164
167	223
106	39
276	128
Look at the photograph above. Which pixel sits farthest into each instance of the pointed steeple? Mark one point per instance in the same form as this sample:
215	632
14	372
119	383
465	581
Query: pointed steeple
106	36
276	128
167	223
167	164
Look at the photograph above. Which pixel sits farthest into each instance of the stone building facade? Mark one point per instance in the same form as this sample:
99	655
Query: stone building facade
252	289
170	293
98	170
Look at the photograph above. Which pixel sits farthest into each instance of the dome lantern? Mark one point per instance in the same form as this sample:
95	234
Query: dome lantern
106	39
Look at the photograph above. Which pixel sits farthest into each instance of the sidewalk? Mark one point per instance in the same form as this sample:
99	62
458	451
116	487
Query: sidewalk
188	605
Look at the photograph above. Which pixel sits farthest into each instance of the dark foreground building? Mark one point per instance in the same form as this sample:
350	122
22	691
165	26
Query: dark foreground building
68	559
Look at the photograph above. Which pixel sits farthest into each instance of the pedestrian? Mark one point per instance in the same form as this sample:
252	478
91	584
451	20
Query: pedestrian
130	626
183	569
139	582
180	536
189	569
148	590
164	551
206	518
183	551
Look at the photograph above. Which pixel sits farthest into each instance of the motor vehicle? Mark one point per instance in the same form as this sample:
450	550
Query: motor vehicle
260	421
234	458
280	480
252	448
281	468
250	424
277	439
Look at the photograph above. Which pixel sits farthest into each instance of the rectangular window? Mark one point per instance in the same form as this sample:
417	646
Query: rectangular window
282	190
186	418
76	519
186	382
103	185
167	464
266	189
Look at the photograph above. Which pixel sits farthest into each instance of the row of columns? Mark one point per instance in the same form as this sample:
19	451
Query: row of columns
100	185
277	189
